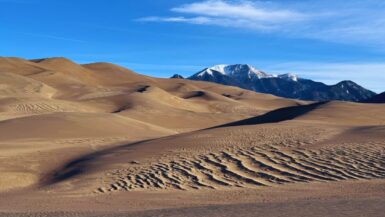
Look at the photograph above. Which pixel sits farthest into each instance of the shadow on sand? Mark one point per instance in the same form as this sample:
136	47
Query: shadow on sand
86	162
282	114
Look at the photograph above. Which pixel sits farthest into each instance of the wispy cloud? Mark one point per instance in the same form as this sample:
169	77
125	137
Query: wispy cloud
241	10
243	14
345	21
368	74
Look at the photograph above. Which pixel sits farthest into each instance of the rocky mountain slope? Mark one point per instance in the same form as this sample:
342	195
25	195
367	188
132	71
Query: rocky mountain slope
285	85
379	98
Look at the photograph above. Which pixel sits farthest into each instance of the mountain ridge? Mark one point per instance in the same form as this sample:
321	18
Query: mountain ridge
379	98
286	85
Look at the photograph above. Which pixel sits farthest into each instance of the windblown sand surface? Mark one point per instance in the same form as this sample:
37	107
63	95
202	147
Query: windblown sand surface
101	140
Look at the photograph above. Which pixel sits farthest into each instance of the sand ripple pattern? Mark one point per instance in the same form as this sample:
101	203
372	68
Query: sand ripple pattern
252	168
45	107
38	107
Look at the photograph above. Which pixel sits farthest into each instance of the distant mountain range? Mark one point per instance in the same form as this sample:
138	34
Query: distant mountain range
284	85
177	76
380	98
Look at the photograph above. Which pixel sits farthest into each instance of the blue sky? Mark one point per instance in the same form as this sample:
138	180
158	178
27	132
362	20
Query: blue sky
323	40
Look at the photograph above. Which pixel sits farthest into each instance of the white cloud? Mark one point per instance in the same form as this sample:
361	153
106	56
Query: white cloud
241	10
225	22
244	14
338	21
193	20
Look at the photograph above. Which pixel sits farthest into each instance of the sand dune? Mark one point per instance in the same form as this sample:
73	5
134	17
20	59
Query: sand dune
98	135
110	74
20	66
16	85
345	113
240	157
55	98
254	168
252	153
74	125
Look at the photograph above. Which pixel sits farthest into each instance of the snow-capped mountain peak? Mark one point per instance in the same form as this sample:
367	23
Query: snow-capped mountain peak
210	71
243	71
284	85
206	71
238	70
219	68
288	76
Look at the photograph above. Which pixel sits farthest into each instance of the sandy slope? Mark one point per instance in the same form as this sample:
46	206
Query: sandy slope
99	137
54	99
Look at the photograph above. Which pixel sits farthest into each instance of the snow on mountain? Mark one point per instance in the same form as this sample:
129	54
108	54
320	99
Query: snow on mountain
289	76
219	68
209	72
284	85
243	71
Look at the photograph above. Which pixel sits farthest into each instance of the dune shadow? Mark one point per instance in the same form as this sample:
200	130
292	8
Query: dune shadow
143	88
194	94
84	163
279	115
